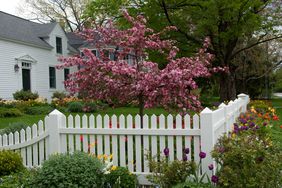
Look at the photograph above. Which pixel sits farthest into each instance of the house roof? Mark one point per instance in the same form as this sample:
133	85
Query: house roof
75	40
22	30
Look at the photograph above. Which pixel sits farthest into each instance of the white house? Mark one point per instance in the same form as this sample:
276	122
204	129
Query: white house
29	52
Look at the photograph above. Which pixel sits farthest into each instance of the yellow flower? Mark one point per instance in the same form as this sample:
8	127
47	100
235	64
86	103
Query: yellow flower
113	168
111	156
99	156
105	156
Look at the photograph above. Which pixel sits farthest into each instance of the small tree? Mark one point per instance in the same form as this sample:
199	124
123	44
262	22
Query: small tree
141	81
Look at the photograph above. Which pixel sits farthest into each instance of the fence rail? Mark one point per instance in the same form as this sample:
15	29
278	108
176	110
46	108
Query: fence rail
124	138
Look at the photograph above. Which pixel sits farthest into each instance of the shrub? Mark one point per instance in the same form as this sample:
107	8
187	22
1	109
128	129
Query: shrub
19	179
10	112
168	174
251	157
193	185
75	106
59	95
13	127
121	177
89	107
37	110
25	95
10	162
64	170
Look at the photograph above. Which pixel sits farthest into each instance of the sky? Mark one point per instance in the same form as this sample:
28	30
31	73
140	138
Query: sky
10	6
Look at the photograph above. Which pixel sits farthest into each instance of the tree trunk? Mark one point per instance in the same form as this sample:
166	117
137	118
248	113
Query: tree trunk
141	108
227	87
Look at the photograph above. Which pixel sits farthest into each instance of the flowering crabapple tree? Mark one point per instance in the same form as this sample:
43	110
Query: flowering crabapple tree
141	81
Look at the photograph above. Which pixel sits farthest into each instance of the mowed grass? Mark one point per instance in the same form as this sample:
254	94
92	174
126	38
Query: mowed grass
276	130
31	119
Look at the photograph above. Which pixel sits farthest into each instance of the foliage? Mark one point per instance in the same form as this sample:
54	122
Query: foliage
141	81
10	112
64	170
168	174
19	179
25	95
37	110
249	154
193	185
59	95
10	162
13	127
121	177
89	107
278	80
75	106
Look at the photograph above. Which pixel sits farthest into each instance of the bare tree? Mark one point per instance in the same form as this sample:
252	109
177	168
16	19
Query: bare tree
67	12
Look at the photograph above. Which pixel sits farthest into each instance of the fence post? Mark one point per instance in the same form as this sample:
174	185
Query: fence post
245	98
54	124
207	139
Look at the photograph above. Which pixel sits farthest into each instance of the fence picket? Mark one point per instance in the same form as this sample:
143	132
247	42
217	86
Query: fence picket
23	150
107	137
99	137
130	145
138	158
63	137
5	140
1	143
46	143
179	148
78	137
162	138
146	143
17	137
114	141
84	136
122	142
35	146
29	150
92	145
70	136
170	138
187	128
41	142
11	139
196	125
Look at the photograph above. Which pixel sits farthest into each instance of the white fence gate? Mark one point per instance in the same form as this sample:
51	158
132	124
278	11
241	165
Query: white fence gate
124	138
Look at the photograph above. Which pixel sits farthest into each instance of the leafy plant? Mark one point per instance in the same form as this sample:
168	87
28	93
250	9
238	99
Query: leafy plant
59	95
10	162
168	174
75	106
64	170
25	95
89	107
10	112
189	184
19	179
121	177
37	110
13	127
248	159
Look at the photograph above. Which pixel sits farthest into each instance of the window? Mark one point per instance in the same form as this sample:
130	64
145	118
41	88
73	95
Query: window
52	77
94	52
66	73
59	47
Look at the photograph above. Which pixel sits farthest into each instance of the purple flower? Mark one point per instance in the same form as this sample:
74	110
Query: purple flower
242	120
185	158
221	149
202	155
166	152
211	166
214	179
186	150
264	123
251	124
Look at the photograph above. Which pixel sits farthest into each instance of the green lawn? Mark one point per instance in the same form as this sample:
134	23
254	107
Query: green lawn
31	119
277	131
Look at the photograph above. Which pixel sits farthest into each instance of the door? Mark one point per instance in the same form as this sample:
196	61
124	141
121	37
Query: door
26	79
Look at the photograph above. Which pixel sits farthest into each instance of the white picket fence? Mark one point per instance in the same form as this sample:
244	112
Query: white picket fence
124	138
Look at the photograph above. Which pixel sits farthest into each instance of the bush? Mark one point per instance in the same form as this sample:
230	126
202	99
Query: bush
251	157
75	106
10	162
10	112
89	107
20	179
59	95
168	174
13	127
193	185
64	170
121	177
25	95
37	110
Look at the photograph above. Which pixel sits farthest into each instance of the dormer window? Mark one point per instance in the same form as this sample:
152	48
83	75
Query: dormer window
59	47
